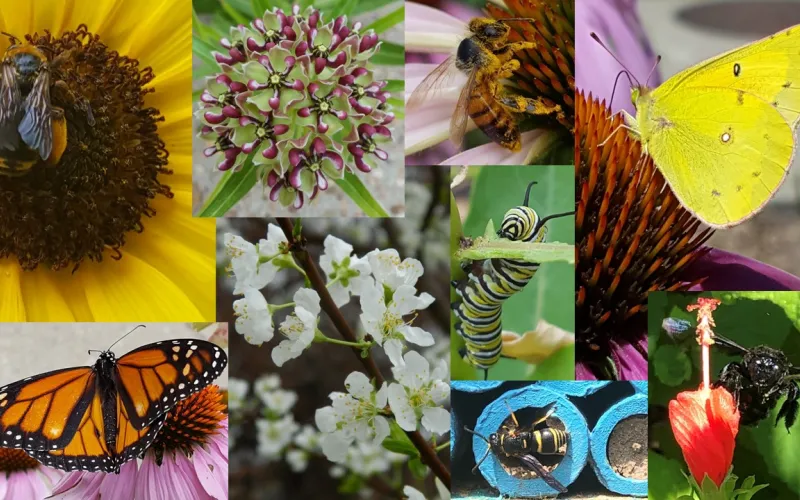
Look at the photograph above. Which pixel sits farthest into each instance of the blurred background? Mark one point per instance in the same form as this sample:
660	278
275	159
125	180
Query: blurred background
255	471
685	32
765	451
487	194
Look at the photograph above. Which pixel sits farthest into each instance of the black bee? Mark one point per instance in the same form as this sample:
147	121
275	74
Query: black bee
759	380
511	441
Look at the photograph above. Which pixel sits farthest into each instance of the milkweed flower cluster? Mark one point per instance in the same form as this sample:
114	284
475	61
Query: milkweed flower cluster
296	97
354	430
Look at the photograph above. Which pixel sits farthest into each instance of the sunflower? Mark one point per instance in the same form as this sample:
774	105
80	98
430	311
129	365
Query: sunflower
106	234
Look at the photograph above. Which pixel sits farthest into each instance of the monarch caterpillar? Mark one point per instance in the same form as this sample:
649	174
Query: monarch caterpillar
486	288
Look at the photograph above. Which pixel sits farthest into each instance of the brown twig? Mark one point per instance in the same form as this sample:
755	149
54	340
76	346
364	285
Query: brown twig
426	451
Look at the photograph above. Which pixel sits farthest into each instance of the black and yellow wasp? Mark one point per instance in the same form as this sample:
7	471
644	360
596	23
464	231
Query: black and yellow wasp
523	444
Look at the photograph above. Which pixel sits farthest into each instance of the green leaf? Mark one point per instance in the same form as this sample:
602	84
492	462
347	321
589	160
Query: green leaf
342	8
418	469
201	30
205	6
351	484
236	13
358	192
672	365
390	54
362	7
395	86
398	107
232	188
202	50
261	6
391	19
482	248
399	442
242	7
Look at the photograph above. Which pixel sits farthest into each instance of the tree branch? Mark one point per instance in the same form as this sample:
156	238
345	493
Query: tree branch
426	451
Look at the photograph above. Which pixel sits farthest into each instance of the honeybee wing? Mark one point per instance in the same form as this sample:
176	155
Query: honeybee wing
458	123
432	83
531	463
10	106
36	127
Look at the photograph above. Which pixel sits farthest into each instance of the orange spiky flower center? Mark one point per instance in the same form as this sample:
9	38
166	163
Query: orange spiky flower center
191	423
633	237
13	460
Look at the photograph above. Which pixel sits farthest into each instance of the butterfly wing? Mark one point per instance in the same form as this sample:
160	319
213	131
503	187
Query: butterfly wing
768	68
94	448
44	412
153	378
723	152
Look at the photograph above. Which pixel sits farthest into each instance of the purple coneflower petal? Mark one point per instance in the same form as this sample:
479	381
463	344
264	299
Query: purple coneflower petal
727	271
495	154
424	20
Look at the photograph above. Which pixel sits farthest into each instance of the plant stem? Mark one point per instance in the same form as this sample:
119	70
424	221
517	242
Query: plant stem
426	451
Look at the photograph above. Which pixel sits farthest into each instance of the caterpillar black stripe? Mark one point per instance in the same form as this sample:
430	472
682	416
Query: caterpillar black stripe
487	287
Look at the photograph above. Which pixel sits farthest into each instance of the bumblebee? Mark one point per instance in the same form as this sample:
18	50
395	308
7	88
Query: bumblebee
521	444
486	57
31	128
758	382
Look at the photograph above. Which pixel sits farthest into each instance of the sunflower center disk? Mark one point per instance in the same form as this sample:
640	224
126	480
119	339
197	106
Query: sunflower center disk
59	215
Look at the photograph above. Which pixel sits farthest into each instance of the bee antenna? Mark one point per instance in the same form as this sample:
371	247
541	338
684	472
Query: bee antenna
476	434
14	40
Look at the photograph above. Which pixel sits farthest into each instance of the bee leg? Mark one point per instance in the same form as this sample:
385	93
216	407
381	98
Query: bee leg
790	407
537	106
513	48
59	136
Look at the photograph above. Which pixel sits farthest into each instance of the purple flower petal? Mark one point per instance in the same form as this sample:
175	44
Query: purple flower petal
335	158
322	182
630	363
295	155
318	146
214	118
731	272
275	191
272	178
294	177
270	152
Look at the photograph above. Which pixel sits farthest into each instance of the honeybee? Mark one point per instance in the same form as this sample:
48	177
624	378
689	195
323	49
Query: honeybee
26	113
486	57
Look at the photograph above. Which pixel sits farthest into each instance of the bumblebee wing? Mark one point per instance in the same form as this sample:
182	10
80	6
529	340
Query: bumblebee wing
432	83
10	106
531	463
458	123
36	128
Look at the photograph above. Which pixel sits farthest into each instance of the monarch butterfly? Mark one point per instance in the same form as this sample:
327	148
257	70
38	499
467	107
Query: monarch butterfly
487	287
96	418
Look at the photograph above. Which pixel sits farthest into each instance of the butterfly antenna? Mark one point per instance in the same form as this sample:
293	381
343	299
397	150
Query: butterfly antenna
528	193
616	81
658	60
132	330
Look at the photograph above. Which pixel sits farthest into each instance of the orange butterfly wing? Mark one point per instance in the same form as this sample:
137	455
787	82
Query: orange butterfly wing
153	378
94	449
43	412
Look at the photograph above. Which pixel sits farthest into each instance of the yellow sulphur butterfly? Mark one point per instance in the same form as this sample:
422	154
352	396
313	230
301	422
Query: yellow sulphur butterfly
722	131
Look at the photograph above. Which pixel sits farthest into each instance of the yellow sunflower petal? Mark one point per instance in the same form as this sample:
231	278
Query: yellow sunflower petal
12	307
43	299
132	290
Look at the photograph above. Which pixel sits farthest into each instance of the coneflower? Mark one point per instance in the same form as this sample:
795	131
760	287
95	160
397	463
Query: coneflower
633	237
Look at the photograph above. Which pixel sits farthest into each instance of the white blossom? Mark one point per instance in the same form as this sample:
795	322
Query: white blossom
254	319
413	493
246	259
274	435
307	438
298	460
265	383
352	416
237	392
419	394
279	401
351	273
384	321
390	271
299	328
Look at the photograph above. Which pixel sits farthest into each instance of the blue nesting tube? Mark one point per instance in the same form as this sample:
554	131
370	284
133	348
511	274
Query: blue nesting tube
633	405
533	396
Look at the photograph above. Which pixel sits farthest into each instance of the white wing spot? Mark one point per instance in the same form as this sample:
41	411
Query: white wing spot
726	137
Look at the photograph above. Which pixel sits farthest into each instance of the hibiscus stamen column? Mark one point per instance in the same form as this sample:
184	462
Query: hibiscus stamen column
297	247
